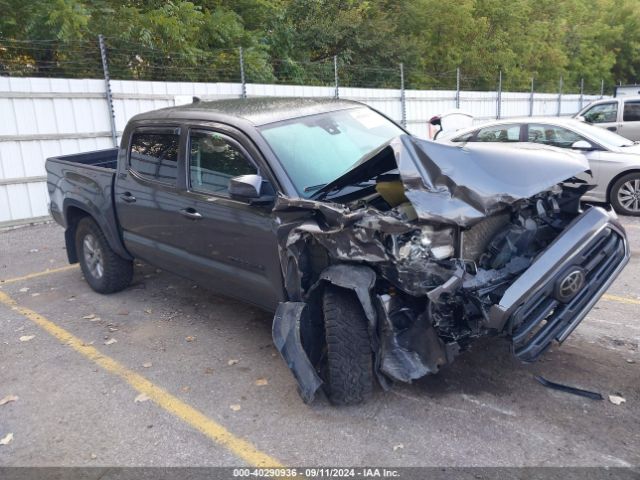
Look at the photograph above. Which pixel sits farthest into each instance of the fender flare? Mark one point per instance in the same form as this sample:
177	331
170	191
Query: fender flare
358	278
108	225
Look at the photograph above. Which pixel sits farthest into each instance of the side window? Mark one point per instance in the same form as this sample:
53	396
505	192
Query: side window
499	133
213	160
463	138
602	113
155	156
631	112
553	135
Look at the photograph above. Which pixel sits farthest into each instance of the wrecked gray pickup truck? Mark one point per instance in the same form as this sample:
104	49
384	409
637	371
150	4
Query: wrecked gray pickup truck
383	256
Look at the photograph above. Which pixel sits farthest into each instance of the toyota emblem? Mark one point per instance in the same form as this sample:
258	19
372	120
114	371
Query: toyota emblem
570	285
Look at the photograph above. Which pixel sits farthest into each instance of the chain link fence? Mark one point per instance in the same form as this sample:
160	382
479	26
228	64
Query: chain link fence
134	61
78	96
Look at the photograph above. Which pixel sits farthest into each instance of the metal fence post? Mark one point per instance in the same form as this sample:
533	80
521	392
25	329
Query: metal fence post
458	87
581	92
335	76
560	97
531	100
107	88
602	88
403	100
242	77
499	97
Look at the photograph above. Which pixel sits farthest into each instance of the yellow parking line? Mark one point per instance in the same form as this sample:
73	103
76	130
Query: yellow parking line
616	298
216	432
38	274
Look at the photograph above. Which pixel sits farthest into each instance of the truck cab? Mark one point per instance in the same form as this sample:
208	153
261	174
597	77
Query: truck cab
620	115
176	209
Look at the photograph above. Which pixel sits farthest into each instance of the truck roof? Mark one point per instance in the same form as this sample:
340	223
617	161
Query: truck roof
256	110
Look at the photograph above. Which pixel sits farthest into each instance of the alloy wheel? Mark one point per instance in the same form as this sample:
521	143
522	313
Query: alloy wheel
93	256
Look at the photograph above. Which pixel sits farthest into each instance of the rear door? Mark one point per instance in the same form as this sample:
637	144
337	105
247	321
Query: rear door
630	126
147	195
231	244
605	115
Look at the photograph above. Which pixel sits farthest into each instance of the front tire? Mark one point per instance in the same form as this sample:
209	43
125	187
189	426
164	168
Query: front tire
625	195
104	270
349	372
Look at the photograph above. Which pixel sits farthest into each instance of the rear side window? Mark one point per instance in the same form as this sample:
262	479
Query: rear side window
631	112
155	156
463	138
499	133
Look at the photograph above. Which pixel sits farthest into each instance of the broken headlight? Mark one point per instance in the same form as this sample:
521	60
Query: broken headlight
423	244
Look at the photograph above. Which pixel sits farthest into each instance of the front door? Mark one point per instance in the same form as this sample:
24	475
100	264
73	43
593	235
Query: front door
604	115
558	136
231	244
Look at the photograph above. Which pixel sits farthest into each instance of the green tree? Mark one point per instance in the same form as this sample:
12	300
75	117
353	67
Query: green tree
295	40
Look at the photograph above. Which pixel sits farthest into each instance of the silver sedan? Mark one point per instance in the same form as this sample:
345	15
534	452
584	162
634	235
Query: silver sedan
614	160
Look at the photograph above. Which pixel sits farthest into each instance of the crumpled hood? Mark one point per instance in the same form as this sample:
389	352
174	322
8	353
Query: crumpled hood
463	184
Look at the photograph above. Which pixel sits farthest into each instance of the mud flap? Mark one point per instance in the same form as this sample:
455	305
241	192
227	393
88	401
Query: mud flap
286	337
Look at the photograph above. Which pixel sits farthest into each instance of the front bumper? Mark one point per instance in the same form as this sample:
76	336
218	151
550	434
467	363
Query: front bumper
531	310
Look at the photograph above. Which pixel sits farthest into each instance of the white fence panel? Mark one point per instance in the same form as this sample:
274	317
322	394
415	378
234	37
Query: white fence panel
40	118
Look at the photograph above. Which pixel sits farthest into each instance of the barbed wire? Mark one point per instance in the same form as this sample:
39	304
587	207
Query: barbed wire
131	60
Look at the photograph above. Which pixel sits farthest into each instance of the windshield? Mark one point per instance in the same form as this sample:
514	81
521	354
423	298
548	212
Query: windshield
603	136
317	149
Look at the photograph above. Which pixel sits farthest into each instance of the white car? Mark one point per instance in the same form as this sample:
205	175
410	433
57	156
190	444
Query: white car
614	160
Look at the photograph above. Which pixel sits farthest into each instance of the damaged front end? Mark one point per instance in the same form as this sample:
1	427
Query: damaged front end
443	245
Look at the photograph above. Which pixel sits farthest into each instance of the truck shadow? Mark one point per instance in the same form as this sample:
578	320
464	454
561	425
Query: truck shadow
488	368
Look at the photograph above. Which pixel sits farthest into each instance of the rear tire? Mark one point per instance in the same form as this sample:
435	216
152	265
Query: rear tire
349	372
104	270
625	195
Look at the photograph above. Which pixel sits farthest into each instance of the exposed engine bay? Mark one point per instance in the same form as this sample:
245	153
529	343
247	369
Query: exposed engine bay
426	276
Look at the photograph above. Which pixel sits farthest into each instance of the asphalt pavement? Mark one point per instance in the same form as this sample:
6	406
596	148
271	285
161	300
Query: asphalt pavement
167	373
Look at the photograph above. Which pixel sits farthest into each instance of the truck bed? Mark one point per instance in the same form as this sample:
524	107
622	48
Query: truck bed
84	182
107	158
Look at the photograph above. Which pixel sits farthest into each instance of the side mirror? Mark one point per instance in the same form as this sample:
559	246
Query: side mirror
245	187
251	189
580	118
582	145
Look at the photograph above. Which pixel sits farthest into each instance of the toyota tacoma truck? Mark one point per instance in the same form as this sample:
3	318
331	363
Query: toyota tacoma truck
382	256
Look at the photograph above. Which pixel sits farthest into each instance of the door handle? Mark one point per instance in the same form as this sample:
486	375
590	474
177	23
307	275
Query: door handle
127	197
613	129
191	213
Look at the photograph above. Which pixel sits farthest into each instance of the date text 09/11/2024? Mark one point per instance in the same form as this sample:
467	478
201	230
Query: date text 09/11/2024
319	472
